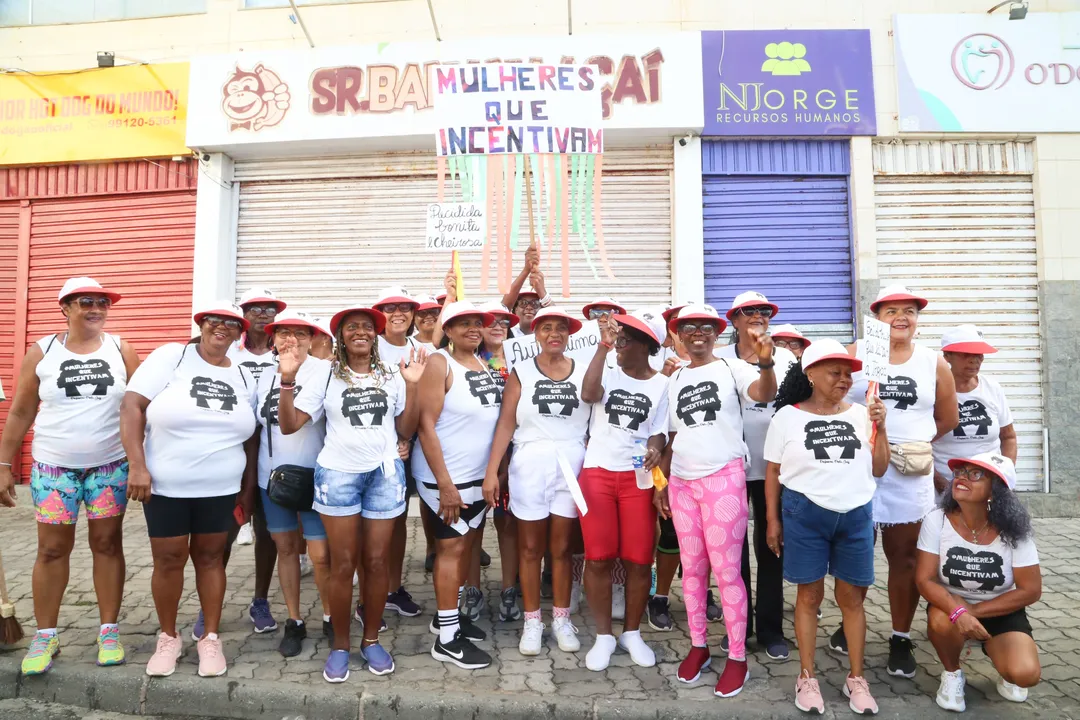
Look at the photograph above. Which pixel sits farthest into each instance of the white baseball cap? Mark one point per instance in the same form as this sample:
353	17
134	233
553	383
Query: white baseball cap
497	309
260	295
426	302
222	308
603	302
895	293
324	325
293	318
552	311
751	299
788	331
828	349
696	312
994	463
462	308
966	339
649	321
85	285
394	294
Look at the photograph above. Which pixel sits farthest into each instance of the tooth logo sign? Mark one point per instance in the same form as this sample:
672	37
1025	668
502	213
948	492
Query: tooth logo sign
254	100
983	61
785	59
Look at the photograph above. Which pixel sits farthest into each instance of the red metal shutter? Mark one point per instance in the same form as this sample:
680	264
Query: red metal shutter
9	251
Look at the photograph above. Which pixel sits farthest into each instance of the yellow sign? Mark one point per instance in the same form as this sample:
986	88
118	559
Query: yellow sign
97	114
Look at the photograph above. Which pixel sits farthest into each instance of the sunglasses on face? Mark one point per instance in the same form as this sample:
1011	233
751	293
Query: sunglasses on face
396	307
264	310
597	313
86	302
528	304
230	323
763	310
703	328
501	322
427	315
621	341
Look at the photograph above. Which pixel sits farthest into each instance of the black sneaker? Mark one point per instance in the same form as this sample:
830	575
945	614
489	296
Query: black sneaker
838	641
545	585
468	630
485	559
659	614
901	657
359	615
508	607
328	631
401	602
461	652
713	612
292	642
429	563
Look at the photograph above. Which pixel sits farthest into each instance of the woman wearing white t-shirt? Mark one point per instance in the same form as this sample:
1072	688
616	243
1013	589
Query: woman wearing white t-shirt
818	448
979	571
986	422
707	485
185	419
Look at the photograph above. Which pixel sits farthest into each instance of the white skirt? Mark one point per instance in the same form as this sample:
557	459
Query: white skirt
901	499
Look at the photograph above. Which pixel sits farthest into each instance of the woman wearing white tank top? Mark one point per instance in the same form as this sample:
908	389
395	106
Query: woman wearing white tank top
72	383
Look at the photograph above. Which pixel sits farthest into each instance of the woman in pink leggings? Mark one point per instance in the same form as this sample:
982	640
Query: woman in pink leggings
706	496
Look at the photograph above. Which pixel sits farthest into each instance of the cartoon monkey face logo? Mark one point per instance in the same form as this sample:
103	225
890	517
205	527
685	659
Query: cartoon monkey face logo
254	100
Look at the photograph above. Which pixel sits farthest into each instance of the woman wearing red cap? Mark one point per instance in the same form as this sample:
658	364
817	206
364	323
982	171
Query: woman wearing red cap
69	389
187	415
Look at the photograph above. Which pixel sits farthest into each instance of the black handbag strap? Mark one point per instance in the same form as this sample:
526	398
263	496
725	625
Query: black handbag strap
270	425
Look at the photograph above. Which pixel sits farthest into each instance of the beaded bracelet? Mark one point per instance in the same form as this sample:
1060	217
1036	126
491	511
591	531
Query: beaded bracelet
957	613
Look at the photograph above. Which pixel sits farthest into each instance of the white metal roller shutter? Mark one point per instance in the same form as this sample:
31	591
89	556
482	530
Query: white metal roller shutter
968	243
325	232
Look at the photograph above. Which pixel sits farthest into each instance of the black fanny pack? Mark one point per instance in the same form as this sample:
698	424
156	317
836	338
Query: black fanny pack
290	486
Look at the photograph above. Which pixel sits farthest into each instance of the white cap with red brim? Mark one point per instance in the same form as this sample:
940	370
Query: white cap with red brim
394	295
222	309
896	293
647	321
260	296
996	464
603	302
966	339
464	308
788	331
696	312
497	309
293	318
376	317
828	349
751	299
554	312
85	286
426	302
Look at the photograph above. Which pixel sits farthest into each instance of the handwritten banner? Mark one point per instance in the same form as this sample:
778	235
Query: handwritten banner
456	226
581	348
875	350
518	108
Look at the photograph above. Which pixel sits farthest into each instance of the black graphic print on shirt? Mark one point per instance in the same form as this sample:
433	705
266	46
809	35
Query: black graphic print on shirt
627	410
902	390
255	368
969	570
270	406
205	390
701	398
77	374
563	395
483	386
973	414
358	403
822	435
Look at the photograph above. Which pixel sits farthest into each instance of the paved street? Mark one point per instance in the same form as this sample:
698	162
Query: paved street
556	682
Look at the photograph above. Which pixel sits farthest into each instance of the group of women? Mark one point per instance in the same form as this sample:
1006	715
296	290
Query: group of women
650	454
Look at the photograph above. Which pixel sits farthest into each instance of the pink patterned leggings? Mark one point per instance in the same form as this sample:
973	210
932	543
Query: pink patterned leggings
710	517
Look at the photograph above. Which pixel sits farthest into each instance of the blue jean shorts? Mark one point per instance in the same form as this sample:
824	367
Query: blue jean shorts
369	494
820	542
283	520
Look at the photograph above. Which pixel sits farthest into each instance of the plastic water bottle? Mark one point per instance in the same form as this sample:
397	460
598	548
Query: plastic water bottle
643	476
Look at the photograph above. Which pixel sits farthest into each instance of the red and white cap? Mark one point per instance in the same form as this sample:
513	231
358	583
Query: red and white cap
788	331
257	295
497	309
549	312
966	339
751	299
426	302
670	310
293	318
896	293
440	297
395	294
603	302
223	309
697	312
85	286
648	321
994	463
376	317
324	326
828	349
464	308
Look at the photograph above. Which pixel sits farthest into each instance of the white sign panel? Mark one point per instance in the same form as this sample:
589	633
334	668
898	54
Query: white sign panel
581	348
875	346
980	73
456	226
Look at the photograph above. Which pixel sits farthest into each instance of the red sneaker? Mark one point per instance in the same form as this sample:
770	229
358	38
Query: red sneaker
698	659
731	681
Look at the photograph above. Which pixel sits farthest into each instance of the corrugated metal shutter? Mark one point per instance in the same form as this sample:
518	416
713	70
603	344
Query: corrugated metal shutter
787	237
9	247
968	243
328	231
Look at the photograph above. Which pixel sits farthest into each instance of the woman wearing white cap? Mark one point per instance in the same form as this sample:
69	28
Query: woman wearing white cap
921	398
707	485
628	428
427	322
986	422
187	415
368	407
818	448
292	334
979	571
544	414
322	342
252	350
789	338
69	388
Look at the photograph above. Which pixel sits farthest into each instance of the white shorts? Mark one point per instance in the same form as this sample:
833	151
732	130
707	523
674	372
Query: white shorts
537	486
903	499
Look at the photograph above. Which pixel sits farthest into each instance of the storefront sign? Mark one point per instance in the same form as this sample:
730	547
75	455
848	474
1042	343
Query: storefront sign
788	82
499	109
98	114
978	73
456	226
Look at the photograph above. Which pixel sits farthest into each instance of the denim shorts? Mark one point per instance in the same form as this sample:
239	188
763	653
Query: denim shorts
820	542
283	520
369	494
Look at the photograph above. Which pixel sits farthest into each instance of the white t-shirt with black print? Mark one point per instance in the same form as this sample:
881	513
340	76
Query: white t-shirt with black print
909	395
976	573
392	355
630	412
550	409
983	412
361	427
303	446
78	422
197	421
703	408
827	458
254	364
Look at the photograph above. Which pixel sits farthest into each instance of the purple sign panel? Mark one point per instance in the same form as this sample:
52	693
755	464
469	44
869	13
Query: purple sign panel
788	82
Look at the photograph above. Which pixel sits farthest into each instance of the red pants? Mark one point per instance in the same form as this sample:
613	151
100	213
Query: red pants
621	522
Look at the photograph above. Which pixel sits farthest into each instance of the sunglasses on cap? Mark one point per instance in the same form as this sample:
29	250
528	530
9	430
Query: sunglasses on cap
763	310
264	310
391	308
705	328
231	323
597	313
87	301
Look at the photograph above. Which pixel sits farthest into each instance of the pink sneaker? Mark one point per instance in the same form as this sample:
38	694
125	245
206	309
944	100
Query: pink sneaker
858	691
163	662
808	694
211	660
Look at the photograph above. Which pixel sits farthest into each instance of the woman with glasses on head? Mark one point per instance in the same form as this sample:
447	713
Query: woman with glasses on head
69	389
789	338
187	422
979	571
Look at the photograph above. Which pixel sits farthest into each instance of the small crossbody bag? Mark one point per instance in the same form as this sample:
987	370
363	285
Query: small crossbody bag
290	486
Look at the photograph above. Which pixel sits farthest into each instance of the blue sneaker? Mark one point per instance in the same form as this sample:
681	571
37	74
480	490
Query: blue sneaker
200	628
337	667
401	602
378	660
259	613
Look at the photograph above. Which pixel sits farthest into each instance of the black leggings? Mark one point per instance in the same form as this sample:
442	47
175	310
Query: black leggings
668	542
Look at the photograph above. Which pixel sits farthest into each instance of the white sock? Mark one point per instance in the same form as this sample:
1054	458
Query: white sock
106	627
662	597
600	656
326	618
210	636
460	592
906	635
640	652
298	622
448	625
48	632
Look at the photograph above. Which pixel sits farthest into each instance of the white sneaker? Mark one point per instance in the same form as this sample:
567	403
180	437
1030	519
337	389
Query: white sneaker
355	579
640	653
600	656
306	568
532	636
1012	693
246	536
950	694
618	602
566	634
575	599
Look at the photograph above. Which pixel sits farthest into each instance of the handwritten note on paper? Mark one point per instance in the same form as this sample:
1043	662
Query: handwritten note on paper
876	350
456	226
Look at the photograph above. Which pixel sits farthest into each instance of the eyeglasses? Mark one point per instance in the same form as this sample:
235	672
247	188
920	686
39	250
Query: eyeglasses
970	472
501	322
391	308
528	304
292	332
621	341
703	328
427	315
264	310
597	313
788	344
231	323
86	302
763	310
